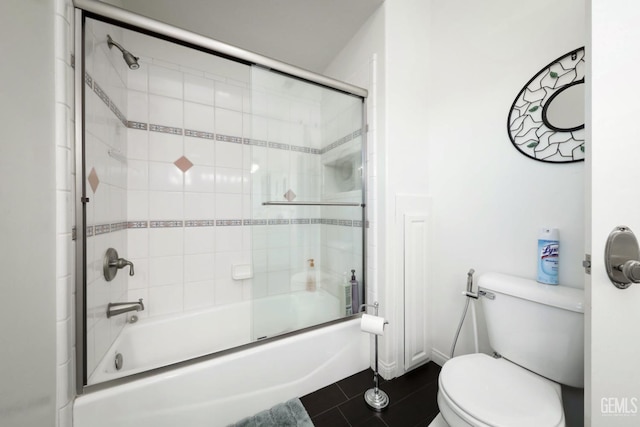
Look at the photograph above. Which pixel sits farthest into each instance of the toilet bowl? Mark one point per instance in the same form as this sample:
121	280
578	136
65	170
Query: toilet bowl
538	331
479	390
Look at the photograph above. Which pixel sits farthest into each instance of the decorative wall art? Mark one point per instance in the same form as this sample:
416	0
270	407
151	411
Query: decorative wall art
546	120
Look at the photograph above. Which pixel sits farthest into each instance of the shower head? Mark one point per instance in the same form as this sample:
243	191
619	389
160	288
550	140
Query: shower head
132	61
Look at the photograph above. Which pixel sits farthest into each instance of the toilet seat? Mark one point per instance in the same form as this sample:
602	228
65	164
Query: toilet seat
483	391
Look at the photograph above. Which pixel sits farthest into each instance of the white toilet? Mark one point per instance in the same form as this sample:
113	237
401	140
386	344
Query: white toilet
539	332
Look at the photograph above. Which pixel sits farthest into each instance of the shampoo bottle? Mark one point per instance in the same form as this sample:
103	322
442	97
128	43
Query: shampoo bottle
345	296
548	246
311	276
355	293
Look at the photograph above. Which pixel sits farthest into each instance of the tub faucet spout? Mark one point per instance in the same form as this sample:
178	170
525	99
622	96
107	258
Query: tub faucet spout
124	307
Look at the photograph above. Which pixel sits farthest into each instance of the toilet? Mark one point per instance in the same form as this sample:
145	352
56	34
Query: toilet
538	333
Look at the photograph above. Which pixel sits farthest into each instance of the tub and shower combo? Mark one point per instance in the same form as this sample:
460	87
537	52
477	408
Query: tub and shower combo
220	206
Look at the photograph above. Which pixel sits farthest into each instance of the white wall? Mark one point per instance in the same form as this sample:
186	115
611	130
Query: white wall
28	249
451	72
488	199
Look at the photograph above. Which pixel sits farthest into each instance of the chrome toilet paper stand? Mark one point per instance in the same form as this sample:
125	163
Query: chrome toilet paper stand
374	397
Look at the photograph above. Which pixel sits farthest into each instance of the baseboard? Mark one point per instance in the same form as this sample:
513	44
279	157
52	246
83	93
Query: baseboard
387	370
438	357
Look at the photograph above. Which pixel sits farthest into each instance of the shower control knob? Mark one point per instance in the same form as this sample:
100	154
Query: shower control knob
112	263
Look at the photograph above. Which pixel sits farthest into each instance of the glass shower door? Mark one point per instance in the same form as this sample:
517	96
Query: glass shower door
307	209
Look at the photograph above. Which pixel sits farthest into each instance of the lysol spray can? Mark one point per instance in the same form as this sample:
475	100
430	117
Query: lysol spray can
548	250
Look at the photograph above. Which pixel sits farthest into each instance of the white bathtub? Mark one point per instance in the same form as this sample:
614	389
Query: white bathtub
221	390
161	341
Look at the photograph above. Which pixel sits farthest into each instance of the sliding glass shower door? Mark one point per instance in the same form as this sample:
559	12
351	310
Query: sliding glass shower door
306	203
233	196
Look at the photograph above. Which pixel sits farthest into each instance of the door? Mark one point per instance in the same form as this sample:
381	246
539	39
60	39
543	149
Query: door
612	347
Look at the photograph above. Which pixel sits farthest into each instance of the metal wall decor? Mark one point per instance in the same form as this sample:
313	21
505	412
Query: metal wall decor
529	127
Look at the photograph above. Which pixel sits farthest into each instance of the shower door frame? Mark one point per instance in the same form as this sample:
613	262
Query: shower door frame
129	20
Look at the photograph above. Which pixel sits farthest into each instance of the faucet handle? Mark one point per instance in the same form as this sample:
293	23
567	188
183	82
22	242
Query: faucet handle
121	263
112	263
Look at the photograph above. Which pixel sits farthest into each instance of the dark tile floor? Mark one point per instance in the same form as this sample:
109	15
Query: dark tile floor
412	397
412	400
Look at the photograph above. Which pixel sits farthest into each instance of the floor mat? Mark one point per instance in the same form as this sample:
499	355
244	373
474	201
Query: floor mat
287	414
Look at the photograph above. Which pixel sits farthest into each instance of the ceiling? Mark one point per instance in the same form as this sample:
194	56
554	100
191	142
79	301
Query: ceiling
305	33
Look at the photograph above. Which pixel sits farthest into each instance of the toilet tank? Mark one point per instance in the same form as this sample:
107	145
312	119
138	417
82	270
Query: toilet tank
539	327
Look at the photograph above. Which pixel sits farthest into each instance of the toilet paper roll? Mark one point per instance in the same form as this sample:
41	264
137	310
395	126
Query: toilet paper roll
372	324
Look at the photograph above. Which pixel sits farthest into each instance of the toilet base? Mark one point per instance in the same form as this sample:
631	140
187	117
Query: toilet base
438	421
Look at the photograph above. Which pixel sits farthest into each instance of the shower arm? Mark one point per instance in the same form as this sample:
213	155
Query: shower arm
111	42
129	58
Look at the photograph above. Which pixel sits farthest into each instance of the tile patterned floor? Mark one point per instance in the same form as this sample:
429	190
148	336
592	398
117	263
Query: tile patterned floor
412	400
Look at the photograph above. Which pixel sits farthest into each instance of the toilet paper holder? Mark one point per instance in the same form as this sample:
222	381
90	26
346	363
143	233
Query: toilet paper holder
374	397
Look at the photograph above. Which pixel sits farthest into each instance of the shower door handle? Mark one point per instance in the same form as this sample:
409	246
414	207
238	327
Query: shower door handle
622	257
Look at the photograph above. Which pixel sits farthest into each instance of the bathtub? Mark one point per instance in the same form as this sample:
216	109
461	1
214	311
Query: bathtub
220	390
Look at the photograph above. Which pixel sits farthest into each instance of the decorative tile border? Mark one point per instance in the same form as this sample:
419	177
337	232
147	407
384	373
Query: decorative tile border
200	223
118	113
118	226
102	229
101	94
94	230
279	146
308	150
136	125
165	129
137	224
165	224
254	222
198	134
209	135
228	138
228	222
256	142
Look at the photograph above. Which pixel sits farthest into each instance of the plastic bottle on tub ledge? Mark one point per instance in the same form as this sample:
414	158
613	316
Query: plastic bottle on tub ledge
355	292
548	256
345	296
311	276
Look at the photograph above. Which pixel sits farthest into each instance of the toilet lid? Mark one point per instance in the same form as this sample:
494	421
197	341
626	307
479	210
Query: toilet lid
497	392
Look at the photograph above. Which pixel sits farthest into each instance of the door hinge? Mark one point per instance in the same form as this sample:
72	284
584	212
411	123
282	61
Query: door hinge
586	263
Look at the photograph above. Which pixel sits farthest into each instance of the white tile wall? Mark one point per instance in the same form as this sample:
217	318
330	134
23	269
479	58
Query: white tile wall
198	89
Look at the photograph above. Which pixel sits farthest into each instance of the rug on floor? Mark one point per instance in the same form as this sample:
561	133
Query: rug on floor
288	414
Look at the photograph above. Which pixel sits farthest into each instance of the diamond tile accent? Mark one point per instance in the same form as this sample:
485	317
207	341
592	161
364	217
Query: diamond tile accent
93	179
290	195
183	164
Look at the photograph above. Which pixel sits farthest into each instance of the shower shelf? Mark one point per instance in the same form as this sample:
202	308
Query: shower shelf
312	204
